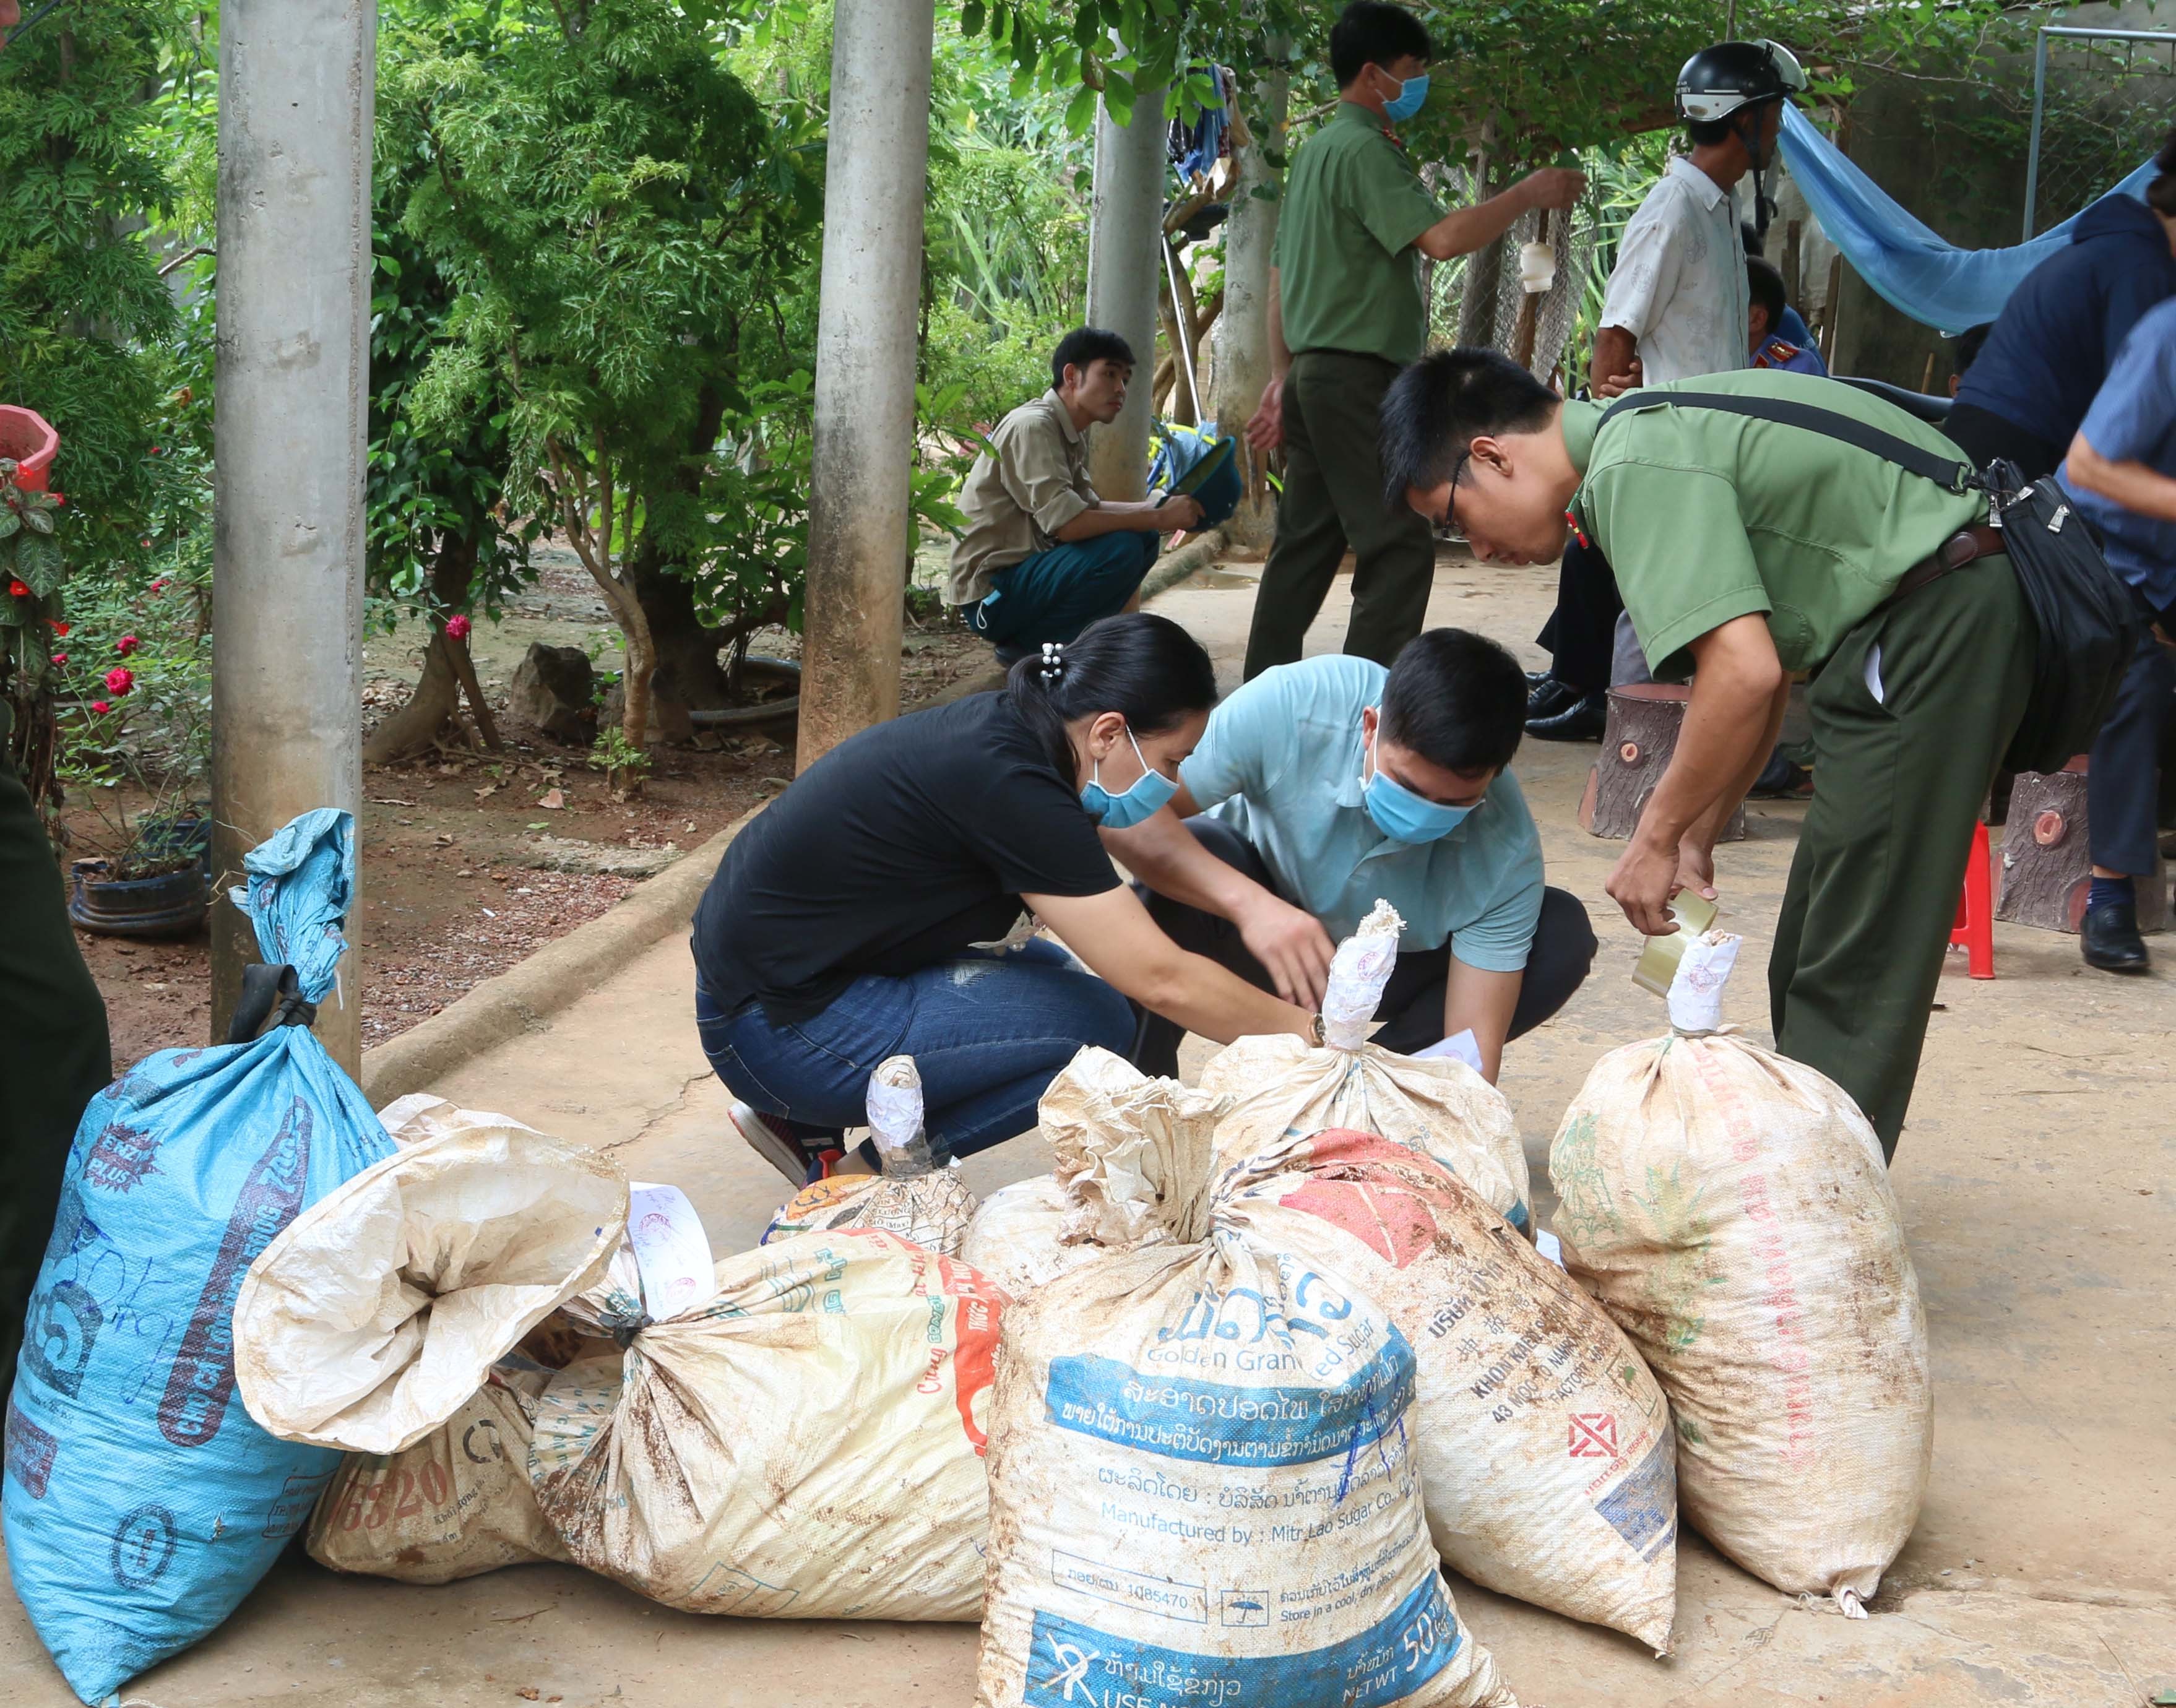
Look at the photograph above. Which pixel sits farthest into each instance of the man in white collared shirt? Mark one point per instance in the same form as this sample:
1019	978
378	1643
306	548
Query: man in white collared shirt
1675	306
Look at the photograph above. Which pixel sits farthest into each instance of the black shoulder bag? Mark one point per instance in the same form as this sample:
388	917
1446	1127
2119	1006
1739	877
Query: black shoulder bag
2087	620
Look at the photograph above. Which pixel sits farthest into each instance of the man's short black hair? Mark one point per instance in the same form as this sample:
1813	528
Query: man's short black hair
1968	345
1437	407
1705	133
1369	32
2161	192
1084	345
1751	236
1457	699
1764	284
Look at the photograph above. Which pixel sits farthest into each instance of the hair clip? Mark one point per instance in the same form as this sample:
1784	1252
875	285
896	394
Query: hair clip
1053	660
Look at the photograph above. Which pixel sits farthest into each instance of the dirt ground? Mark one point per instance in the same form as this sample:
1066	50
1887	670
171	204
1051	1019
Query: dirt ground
471	862
2034	1180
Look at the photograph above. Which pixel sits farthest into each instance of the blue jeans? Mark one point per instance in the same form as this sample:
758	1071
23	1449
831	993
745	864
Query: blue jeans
1054	595
989	1032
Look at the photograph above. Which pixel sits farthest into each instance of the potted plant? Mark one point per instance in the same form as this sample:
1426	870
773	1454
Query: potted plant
137	722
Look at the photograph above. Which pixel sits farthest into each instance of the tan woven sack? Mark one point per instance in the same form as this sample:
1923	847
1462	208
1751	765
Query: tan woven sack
1203	1489
452	1505
1731	1209
915	1197
1544	1444
805	1444
1279	1086
1131	1154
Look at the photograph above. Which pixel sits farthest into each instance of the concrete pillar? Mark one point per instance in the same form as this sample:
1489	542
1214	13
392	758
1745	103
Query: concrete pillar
1243	329
296	84
1125	263
876	181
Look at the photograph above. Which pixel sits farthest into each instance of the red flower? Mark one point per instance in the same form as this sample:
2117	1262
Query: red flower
127	644
19	590
457	628
119	681
60	630
60	498
159	586
101	706
60	658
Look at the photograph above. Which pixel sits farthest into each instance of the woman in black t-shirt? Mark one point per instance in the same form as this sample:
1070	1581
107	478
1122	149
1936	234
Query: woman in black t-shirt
875	908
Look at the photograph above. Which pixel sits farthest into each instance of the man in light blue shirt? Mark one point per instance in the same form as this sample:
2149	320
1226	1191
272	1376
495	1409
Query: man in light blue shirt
1322	788
2121	472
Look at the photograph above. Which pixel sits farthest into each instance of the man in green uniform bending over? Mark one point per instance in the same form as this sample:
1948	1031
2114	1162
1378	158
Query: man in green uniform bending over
1748	550
1345	313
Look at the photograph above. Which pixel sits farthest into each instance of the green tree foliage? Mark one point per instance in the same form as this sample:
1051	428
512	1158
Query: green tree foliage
85	320
605	196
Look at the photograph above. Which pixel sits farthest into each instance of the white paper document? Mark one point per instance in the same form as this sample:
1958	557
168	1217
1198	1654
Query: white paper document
1461	1048
671	1249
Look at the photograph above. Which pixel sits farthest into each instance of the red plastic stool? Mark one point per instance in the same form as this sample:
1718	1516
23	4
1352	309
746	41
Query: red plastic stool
1975	922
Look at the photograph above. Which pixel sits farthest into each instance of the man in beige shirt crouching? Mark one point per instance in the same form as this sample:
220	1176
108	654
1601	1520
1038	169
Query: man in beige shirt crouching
1043	556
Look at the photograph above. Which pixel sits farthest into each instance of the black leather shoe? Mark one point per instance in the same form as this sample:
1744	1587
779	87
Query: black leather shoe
1582	720
1549	697
2109	938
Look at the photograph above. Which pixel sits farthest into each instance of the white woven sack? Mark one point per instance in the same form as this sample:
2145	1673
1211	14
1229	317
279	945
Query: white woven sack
1203	1489
1731	1209
807	1444
383	1308
1544	1444
1279	1085
450	1505
1131	1152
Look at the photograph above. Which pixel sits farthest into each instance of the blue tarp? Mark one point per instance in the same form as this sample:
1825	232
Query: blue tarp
1907	264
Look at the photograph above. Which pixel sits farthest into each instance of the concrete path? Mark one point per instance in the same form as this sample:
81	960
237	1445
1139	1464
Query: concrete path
2035	1175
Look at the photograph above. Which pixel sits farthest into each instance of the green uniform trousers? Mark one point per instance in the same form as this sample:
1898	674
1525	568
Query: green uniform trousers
1898	782
54	1055
1333	498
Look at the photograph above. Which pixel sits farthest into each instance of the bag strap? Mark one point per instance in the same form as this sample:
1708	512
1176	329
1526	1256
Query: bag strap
1958	475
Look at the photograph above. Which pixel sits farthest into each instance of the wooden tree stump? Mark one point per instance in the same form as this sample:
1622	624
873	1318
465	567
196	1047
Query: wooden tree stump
1637	742
2047	863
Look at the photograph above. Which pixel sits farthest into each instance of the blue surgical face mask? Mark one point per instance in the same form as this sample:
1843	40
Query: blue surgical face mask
1150	795
1405	817
1408	102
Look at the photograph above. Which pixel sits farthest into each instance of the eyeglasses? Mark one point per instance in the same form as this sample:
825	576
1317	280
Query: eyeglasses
1451	492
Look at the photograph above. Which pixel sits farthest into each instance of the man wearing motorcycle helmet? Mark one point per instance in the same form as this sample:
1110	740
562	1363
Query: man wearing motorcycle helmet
1677	301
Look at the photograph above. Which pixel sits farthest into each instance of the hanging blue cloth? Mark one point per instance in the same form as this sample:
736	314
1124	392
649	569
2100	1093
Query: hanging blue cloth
1908	264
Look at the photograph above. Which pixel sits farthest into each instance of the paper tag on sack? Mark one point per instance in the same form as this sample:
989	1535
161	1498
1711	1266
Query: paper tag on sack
1696	992
1549	1246
671	1250
1461	1048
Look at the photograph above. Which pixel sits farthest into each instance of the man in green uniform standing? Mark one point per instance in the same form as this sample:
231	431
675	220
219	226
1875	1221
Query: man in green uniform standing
53	1052
1749	549
1345	314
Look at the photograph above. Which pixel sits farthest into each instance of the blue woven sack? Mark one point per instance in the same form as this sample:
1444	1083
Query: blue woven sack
142	1502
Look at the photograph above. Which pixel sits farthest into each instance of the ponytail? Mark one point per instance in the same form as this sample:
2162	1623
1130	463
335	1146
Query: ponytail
1143	667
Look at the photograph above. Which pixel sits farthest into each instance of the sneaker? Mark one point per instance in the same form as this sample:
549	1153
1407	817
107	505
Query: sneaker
773	1138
